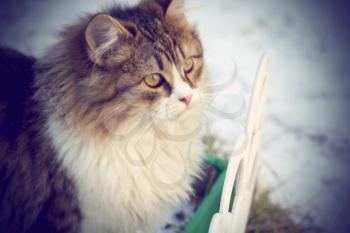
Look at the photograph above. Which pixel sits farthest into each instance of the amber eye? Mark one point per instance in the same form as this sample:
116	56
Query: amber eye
153	80
187	66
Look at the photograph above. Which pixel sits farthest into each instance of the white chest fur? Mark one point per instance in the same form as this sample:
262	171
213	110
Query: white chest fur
126	185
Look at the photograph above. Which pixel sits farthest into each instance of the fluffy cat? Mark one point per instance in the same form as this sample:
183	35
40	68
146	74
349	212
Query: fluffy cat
97	136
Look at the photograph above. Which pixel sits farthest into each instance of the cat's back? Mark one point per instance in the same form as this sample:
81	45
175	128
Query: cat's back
16	76
35	195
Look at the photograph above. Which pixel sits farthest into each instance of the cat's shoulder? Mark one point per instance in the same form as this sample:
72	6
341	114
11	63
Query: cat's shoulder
16	70
15	60
16	78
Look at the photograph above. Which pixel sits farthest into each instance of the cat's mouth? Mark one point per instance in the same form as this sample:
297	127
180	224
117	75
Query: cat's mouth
177	111
184	113
176	116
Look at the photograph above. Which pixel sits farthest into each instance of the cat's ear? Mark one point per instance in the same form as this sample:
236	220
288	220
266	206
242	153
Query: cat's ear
169	8
101	33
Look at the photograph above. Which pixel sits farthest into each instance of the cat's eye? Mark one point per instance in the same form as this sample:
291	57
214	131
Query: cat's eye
187	66
153	80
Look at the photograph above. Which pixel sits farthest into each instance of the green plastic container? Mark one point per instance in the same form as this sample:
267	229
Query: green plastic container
200	221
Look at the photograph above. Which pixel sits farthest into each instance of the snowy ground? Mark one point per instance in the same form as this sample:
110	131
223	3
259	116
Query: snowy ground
306	142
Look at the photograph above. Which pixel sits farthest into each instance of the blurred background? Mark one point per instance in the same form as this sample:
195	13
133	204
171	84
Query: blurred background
306	146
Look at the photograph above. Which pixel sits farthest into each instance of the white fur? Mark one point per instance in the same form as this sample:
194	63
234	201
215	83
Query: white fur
126	184
181	88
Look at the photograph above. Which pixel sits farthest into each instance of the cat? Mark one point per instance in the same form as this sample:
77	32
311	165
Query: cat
98	135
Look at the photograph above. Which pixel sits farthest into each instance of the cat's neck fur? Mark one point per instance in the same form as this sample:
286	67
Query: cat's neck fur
126	182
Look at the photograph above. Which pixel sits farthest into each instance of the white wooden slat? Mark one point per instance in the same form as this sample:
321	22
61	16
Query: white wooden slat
245	160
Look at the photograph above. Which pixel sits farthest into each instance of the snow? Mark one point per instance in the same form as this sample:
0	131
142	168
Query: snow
306	140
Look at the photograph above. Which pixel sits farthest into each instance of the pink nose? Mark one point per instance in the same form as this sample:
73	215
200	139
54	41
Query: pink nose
187	99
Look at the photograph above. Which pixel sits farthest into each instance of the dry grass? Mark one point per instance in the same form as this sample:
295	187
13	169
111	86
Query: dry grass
268	217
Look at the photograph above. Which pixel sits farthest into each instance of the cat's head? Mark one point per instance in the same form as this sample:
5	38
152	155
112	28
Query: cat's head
147	63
